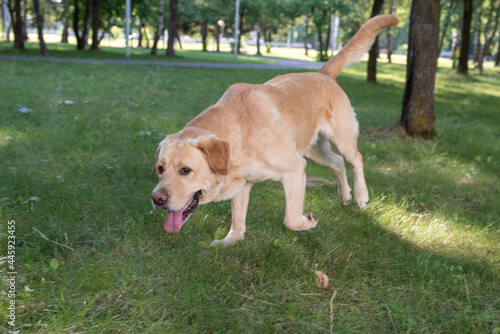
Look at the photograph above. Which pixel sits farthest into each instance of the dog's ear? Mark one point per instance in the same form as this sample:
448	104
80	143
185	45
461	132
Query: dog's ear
217	153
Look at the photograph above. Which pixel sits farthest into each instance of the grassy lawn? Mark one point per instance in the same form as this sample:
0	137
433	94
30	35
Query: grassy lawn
105	52
76	170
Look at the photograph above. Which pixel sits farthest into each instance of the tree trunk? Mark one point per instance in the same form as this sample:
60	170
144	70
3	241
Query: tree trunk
204	33
159	25
374	51
17	24
305	35
476	44
141	34
320	40
258	39
172	28
497	57
394	5
454	47
64	36
269	41
39	26
489	39
445	28
81	39
418	101
465	40
217	32
25	19
328	36
96	4
178	38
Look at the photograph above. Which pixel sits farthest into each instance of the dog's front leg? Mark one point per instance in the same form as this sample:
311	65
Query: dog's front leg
295	186
239	206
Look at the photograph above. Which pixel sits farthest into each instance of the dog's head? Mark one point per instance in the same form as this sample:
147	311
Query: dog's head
190	171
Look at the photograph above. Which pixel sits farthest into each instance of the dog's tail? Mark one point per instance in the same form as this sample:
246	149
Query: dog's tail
358	45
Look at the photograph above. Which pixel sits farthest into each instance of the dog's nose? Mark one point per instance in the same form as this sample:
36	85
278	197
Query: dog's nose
159	197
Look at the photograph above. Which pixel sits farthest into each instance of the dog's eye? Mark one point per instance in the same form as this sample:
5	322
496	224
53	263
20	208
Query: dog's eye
184	171
160	169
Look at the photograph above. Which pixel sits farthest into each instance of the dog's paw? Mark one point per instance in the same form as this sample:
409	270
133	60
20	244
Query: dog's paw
216	243
345	201
312	221
308	222
362	201
228	240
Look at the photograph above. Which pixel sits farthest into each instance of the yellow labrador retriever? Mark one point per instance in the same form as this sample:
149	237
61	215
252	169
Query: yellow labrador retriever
262	132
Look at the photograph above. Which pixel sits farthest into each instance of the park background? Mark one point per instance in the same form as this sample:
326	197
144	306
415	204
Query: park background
78	135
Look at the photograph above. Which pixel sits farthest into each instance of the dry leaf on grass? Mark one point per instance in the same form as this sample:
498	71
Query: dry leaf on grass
321	279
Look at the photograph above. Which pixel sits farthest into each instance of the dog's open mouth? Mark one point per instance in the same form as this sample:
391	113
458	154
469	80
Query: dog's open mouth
175	219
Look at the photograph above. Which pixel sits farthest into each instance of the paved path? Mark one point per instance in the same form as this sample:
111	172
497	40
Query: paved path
282	63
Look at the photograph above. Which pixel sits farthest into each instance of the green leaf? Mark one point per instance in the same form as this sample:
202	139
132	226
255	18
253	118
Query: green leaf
54	264
220	233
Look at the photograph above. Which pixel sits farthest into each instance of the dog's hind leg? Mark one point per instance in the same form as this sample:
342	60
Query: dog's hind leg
239	206
322	154
347	145
294	184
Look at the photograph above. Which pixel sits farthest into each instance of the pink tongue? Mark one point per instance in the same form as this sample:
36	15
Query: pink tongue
174	221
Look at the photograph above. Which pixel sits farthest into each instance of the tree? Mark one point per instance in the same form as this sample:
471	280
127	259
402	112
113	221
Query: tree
489	38
159	26
172	28
39	26
446	23
497	57
418	101
394	4
371	75
81	37
18	23
465	40
96	4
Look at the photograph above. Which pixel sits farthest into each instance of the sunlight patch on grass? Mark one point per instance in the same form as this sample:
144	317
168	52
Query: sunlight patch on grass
436	232
7	135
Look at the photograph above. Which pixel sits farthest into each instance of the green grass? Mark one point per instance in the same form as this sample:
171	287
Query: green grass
105	52
423	257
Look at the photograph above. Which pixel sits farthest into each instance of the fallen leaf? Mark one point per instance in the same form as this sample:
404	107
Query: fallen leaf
321	279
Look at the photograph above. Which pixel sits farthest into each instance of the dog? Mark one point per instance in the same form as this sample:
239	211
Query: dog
263	132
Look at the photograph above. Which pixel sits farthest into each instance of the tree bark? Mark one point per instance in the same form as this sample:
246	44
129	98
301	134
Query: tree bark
172	28
497	57
454	46
305	34
445	28
96	22
258	40
328	36
204	33
371	75
217	32
476	44
65	33
141	34
17	24
81	39
489	39
418	117
394	5
39	26
159	25
465	40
